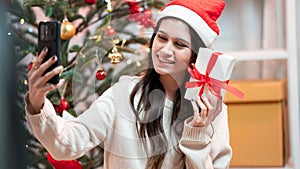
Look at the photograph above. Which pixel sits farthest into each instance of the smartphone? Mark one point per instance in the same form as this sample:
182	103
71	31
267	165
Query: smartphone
49	36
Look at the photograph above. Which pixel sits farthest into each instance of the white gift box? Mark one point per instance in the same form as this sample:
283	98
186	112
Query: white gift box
221	71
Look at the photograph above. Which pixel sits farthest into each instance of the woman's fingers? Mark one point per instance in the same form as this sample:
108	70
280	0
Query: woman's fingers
39	59
50	87
195	107
199	112
203	109
42	81
207	103
52	73
43	67
42	55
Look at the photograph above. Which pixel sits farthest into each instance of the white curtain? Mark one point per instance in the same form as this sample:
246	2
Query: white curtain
273	38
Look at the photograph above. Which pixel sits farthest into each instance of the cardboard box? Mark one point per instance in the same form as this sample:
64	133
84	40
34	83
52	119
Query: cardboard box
258	124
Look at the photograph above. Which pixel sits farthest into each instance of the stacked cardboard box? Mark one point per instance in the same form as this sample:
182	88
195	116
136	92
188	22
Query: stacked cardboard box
258	123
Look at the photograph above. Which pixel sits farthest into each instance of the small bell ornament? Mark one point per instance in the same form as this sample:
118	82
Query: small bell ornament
115	56
67	29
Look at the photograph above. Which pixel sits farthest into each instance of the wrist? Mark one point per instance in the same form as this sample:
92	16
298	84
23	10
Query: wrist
33	108
194	123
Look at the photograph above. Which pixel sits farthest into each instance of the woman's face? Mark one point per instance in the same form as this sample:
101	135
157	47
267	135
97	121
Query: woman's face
171	48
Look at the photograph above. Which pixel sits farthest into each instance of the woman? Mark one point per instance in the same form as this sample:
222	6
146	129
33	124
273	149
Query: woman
144	122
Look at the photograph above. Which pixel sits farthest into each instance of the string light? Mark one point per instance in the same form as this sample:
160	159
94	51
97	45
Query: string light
147	50
22	21
109	5
30	29
138	63
129	61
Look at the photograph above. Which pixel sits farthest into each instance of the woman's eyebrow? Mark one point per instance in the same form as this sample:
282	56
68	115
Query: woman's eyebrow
161	31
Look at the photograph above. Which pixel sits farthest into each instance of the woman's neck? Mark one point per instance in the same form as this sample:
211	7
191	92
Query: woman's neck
171	85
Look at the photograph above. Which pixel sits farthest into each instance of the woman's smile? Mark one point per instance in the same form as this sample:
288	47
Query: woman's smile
165	60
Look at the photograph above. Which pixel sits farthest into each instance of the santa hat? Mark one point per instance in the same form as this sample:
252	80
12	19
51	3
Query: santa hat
201	15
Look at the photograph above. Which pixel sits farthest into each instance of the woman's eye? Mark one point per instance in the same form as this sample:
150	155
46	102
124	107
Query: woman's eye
180	44
162	37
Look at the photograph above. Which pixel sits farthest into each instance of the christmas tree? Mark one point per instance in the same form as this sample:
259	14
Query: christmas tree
101	40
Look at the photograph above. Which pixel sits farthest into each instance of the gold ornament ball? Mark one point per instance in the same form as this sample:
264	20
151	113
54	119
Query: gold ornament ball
67	30
115	57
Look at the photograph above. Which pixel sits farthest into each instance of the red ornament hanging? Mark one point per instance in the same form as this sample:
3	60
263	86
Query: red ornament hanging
64	105
90	1
110	31
147	13
139	15
101	74
30	65
134	10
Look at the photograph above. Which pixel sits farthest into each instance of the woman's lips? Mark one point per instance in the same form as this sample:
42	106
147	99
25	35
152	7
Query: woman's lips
163	60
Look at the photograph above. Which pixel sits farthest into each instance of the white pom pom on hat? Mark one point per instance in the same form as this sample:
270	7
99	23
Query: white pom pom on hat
201	15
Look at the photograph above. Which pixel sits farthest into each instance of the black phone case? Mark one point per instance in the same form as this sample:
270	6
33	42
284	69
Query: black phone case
49	36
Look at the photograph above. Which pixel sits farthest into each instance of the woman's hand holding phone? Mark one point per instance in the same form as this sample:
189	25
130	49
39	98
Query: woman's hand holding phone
38	83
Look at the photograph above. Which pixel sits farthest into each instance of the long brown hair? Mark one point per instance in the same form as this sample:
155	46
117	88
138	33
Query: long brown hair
154	106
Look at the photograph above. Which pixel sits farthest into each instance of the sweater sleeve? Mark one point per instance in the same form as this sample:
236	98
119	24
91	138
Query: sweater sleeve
207	147
70	139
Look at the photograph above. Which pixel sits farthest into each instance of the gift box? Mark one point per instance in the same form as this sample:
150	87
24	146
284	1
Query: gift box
212	70
258	124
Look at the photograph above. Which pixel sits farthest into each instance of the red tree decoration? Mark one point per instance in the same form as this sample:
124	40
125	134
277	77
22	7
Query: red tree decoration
63	164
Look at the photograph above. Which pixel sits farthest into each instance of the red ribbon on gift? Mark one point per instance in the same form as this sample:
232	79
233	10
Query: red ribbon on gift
213	85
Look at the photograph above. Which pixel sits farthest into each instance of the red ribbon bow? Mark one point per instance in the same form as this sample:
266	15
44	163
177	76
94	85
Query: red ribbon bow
213	85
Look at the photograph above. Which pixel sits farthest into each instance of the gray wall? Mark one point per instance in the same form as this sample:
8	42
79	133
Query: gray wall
12	145
298	39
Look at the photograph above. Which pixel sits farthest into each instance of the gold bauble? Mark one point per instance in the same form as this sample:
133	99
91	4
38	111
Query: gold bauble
67	30
115	57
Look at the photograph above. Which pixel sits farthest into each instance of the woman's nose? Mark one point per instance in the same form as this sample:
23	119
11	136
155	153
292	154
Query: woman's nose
167	49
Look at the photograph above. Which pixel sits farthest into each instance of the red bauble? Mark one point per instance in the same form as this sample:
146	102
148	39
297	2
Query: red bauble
30	65
147	13
110	31
101	74
64	105
91	1
58	109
